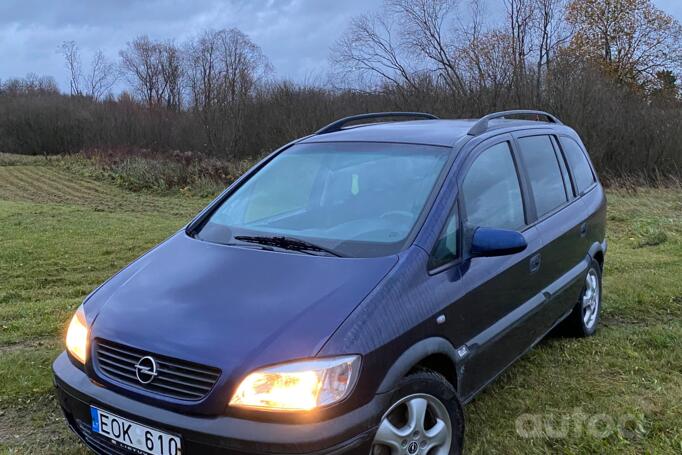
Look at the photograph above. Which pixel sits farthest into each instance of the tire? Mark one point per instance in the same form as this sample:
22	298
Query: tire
583	320
441	431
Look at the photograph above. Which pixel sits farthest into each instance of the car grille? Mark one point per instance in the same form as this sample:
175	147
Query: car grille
175	378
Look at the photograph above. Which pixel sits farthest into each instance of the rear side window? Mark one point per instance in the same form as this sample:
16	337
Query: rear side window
491	191
577	161
542	166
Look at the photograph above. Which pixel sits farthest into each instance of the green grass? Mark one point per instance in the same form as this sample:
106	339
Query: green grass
61	234
630	371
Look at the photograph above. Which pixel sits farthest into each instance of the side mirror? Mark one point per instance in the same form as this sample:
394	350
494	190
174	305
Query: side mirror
489	242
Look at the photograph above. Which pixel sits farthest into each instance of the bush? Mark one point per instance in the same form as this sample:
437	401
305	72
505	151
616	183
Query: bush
144	170
627	135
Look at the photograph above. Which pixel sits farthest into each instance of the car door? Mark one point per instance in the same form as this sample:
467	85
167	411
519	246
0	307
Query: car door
586	188
488	323
560	220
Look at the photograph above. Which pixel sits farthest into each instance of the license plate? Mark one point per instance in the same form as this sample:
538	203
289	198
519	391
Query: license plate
138	438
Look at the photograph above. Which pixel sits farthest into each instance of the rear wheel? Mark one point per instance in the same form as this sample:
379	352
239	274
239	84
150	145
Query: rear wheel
425	418
583	321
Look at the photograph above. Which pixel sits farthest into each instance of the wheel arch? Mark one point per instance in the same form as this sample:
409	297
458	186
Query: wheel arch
435	353
598	252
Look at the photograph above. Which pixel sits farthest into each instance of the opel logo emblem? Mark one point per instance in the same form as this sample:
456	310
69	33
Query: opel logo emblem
145	370
413	448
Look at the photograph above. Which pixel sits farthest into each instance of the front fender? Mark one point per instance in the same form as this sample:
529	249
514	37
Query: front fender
413	356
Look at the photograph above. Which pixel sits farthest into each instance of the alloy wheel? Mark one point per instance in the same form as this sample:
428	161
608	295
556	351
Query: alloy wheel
590	299
416	425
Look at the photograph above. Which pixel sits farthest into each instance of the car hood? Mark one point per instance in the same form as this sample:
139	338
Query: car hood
231	307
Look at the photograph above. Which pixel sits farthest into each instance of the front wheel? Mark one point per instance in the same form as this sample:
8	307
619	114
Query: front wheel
425	418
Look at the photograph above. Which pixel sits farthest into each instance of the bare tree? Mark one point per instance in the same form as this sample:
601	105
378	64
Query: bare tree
550	33
487	60
141	63
429	31
97	81
71	53
200	68
521	15
172	73
101	77
372	49
223	69
407	43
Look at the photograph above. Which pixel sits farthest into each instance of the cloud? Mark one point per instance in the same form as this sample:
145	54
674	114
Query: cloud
295	34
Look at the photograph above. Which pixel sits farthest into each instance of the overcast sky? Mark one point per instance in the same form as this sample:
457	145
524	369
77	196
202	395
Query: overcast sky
295	34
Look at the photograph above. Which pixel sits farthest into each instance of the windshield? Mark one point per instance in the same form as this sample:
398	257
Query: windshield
356	199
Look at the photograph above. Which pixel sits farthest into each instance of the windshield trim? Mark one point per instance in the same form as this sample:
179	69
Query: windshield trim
204	216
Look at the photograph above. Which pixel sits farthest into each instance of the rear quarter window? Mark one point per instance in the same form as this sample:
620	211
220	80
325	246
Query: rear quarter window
581	170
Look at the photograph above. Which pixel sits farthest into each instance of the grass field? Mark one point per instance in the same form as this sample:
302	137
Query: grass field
61	235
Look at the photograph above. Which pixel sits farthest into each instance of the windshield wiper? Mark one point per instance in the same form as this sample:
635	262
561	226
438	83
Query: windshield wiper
287	243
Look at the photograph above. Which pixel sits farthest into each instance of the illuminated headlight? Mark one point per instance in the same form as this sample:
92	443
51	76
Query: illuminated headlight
77	336
298	386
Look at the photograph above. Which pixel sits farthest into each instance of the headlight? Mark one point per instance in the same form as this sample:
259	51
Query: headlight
77	336
298	386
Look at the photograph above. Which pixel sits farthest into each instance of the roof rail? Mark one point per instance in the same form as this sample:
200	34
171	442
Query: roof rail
339	124
481	126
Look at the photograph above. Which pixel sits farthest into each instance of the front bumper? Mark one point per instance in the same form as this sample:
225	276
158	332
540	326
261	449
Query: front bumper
350	433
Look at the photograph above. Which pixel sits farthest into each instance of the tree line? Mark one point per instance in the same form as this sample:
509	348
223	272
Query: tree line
609	68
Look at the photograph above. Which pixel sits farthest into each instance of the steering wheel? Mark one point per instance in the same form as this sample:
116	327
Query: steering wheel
399	213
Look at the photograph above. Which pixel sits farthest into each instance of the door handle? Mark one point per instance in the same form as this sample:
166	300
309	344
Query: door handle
583	230
535	262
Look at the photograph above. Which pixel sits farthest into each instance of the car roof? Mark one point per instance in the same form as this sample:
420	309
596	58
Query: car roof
430	132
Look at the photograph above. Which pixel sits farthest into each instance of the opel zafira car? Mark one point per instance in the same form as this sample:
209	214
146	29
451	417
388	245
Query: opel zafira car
347	295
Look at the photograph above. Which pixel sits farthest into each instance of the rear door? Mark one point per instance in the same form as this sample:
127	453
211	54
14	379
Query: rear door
560	219
585	187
